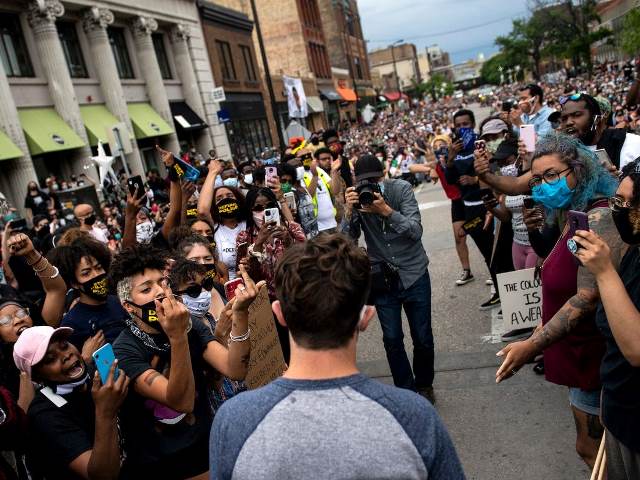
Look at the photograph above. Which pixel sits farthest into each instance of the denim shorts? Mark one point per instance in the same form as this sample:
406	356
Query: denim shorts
587	401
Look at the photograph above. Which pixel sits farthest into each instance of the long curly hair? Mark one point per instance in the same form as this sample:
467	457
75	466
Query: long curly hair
593	181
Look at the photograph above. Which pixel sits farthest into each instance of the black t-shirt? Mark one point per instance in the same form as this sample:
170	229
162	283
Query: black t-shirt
148	440
37	203
58	435
621	381
87	320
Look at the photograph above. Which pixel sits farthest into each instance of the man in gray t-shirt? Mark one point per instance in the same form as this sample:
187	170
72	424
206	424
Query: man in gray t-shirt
324	419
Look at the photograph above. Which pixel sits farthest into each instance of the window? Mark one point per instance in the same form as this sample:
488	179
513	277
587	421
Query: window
310	13
120	52
13	50
348	19
356	61
161	55
226	62
319	60
71	48
248	63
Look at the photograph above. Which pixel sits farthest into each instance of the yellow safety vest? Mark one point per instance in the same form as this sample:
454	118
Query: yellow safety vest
325	179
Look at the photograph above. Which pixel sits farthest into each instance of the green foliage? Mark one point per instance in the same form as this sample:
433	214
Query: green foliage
434	87
491	68
631	32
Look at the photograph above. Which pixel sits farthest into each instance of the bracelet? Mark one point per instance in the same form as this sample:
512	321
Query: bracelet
56	273
37	261
43	268
240	338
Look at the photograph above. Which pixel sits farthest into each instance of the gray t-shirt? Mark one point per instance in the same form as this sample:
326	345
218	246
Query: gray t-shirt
350	427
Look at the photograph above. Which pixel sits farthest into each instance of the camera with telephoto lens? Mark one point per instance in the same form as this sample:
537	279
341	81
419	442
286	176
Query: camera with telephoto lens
366	192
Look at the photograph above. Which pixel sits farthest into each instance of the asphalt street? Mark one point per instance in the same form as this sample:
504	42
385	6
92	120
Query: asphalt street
522	428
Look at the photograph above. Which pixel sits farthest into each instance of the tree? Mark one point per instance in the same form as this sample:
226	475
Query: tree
523	45
631	32
493	67
436	85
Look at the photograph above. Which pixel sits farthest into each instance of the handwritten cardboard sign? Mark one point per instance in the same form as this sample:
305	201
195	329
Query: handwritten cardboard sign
521	299
266	362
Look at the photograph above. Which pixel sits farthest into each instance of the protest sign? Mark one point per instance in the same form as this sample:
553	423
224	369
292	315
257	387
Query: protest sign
296	98
266	362
521	299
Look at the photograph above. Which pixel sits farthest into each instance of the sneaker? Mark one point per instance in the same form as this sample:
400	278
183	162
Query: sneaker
488	282
517	334
538	368
465	278
427	392
493	302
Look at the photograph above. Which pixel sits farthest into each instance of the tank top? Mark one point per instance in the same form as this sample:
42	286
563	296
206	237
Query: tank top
225	238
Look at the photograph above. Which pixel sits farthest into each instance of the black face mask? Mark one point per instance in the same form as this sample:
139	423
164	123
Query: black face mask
90	220
212	241
43	232
96	288
228	208
148	314
210	277
628	229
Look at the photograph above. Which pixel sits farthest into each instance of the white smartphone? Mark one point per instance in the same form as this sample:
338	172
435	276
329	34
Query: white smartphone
290	198
603	158
528	136
272	215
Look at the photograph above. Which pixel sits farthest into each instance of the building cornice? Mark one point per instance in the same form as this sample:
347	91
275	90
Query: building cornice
224	16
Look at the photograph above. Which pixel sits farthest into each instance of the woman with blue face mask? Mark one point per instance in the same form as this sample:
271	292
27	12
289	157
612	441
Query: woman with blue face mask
566	176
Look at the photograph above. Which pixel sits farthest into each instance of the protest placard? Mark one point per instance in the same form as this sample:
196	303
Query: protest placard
521	299
266	362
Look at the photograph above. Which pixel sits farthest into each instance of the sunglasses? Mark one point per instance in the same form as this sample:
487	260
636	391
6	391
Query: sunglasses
192	290
573	98
262	208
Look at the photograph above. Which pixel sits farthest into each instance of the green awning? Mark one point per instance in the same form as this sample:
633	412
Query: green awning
46	131
8	149
146	121
97	120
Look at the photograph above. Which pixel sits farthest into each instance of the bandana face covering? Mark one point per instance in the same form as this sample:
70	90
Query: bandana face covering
627	223
96	288
144	232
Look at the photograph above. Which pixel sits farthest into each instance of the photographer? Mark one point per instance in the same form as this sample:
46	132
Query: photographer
387	211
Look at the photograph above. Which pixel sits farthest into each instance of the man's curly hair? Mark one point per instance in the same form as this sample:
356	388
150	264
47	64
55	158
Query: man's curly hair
322	285
133	261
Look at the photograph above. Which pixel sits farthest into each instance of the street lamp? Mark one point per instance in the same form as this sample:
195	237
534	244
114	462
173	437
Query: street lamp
395	70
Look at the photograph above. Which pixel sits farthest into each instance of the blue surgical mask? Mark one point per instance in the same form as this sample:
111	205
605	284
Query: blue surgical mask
553	196
230	182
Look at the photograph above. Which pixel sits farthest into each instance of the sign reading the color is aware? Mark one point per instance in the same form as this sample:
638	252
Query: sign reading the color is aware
521	299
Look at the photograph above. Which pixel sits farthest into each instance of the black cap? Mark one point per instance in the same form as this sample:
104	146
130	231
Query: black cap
507	148
554	117
367	167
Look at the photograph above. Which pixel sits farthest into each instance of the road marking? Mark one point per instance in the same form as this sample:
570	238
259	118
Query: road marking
429	205
497	328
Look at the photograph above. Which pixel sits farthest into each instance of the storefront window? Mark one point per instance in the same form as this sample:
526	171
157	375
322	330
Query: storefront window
13	50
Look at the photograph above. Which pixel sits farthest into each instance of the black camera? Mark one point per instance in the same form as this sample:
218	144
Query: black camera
366	192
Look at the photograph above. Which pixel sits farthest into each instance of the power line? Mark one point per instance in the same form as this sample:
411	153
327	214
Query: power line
458	30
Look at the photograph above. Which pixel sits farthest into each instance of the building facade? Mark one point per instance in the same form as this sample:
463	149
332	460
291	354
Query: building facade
228	35
133	75
397	66
612	16
439	62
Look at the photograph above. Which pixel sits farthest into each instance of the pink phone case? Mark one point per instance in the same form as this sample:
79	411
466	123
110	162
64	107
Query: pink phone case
528	136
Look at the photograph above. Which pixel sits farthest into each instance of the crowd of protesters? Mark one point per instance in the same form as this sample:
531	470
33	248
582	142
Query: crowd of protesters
146	276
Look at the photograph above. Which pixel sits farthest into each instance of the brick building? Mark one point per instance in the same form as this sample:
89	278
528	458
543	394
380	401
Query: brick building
397	66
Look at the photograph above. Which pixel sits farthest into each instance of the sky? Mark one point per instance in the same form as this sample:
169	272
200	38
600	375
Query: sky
426	22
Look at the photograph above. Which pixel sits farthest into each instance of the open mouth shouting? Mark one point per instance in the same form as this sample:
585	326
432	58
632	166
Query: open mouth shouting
76	370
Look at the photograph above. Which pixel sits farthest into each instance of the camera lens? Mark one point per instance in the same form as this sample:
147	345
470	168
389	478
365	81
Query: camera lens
366	196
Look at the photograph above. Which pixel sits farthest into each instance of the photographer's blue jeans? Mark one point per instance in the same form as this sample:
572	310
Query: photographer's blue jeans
416	301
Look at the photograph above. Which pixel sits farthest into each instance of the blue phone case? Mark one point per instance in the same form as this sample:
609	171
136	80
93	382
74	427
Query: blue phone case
189	172
103	358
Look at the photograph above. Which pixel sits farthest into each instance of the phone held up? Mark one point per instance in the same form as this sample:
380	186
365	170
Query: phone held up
528	136
230	288
272	215
103	359
136	183
577	221
271	174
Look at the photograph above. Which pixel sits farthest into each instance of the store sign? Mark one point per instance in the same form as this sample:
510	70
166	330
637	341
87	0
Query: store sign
223	116
217	95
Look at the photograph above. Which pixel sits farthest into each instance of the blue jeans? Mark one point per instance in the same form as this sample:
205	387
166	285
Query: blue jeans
416	301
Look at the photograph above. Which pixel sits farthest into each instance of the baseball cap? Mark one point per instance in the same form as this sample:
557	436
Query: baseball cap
506	148
494	126
32	345
367	167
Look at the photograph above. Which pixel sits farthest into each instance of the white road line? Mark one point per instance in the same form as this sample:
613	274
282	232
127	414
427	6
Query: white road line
497	328
428	205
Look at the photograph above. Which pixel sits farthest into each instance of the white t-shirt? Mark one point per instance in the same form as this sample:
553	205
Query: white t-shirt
225	238
326	216
630	149
520	233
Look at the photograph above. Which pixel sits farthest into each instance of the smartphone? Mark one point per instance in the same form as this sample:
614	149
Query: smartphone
480	145
577	221
19	225
242	250
271	174
603	158
183	169
103	359
230	288
272	215
528	136
136	183
290	198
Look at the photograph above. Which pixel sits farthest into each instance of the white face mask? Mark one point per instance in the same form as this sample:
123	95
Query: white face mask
248	179
300	173
199	306
509	170
144	232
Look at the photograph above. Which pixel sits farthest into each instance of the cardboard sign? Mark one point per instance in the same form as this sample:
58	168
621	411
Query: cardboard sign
266	362
521	299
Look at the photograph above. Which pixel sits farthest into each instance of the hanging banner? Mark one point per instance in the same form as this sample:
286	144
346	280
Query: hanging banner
296	98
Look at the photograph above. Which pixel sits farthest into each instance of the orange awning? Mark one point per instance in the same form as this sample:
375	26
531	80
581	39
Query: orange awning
347	94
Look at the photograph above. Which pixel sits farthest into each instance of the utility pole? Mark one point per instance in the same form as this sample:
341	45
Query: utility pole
267	74
395	69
